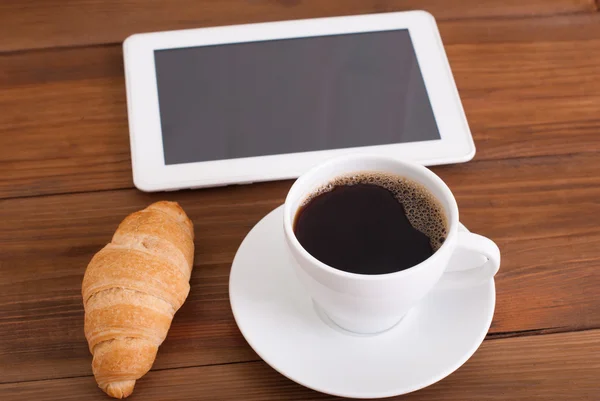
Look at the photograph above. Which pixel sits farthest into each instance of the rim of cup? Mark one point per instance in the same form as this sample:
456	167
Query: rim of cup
452	214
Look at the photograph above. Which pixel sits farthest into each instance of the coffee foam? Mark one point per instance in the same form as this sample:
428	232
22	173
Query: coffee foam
423	210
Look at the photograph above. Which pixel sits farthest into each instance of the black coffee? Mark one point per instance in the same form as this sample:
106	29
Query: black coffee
371	223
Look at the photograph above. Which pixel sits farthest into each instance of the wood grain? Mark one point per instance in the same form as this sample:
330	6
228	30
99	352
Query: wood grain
64	126
541	211
33	24
549	367
527	72
41	320
521	30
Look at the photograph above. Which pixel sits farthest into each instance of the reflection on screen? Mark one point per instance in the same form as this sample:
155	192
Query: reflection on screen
291	95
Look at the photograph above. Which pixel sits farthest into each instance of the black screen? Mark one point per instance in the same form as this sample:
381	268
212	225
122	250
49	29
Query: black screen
291	95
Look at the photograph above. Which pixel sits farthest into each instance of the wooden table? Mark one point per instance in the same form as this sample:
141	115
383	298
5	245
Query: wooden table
528	72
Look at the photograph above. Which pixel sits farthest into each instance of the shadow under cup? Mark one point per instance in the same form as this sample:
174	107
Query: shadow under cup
360	303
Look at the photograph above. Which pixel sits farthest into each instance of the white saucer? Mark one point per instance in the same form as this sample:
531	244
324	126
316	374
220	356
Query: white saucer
277	318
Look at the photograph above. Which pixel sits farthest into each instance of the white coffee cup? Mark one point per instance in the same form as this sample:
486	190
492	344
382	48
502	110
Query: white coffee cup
369	304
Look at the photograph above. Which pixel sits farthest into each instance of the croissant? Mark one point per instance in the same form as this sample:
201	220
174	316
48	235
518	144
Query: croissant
131	291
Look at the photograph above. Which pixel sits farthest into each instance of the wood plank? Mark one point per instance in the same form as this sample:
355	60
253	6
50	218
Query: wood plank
64	127
521	30
53	65
60	132
542	212
36	24
44	313
549	367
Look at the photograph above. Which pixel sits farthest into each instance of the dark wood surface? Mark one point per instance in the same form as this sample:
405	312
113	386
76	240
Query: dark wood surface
548	367
64	124
34	24
528	74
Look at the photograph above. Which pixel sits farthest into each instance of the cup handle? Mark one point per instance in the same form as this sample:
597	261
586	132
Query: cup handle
474	275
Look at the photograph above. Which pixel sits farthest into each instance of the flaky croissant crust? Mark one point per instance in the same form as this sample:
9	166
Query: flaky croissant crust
131	291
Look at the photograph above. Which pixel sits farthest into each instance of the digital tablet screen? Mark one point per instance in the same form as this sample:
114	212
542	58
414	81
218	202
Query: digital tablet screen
291	95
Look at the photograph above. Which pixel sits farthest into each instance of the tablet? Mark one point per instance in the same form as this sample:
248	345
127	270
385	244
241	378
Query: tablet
245	103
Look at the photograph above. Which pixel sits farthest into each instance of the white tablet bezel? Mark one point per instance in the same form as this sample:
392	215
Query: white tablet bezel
149	170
